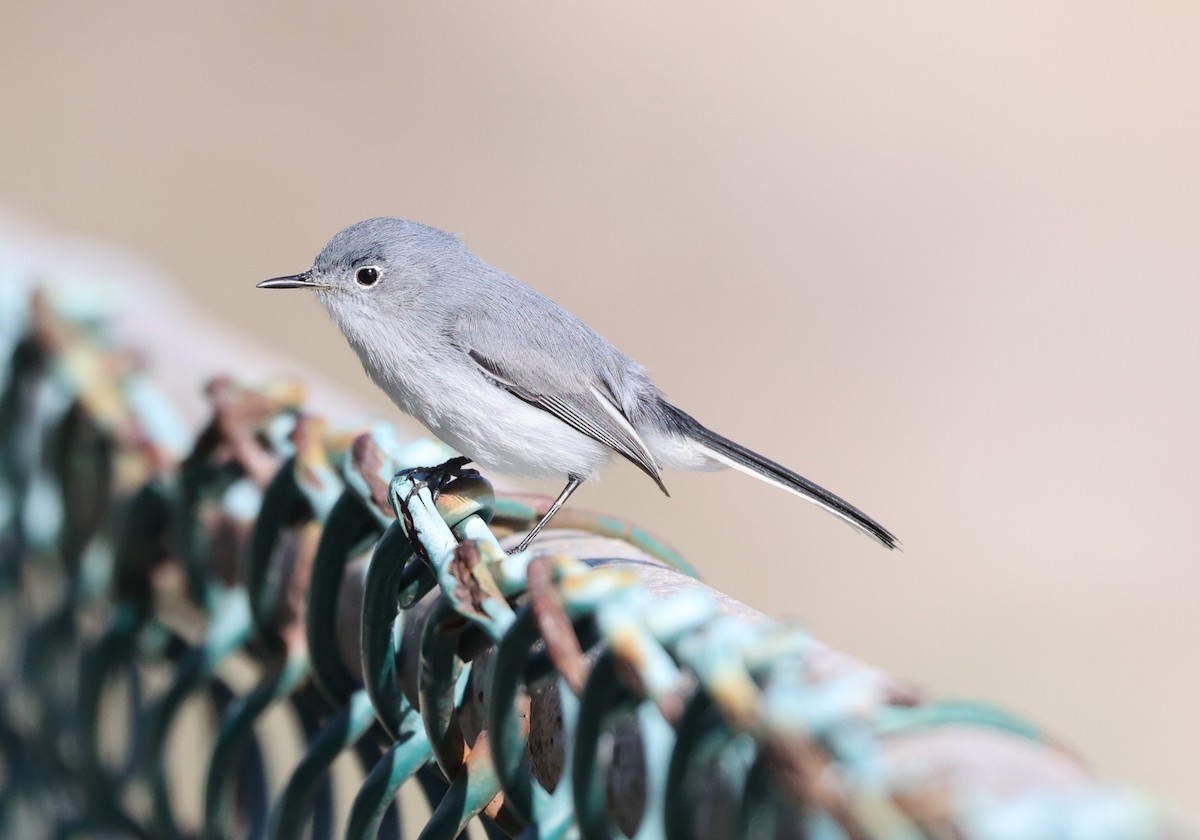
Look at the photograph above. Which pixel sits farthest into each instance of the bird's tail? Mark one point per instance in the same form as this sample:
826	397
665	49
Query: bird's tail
725	451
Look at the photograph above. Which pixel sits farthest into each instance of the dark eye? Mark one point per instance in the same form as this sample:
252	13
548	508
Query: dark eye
367	276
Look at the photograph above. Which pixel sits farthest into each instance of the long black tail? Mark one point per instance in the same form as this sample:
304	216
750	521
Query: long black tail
735	455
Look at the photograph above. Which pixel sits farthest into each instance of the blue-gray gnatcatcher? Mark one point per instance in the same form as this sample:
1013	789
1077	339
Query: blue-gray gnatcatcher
508	377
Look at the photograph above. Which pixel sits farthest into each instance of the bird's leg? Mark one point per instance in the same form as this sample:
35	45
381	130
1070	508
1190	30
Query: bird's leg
573	482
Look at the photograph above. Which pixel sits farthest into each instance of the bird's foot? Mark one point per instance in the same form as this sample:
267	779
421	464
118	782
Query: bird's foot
435	478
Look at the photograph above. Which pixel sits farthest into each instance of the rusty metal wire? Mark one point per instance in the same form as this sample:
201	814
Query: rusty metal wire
588	687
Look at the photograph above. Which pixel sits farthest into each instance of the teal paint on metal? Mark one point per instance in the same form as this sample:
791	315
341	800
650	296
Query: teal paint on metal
383	627
442	675
229	630
604	697
723	704
470	791
283	505
341	730
893	719
236	728
525	794
515	509
702	741
1070	816
658	742
157	417
115	651
407	754
349	531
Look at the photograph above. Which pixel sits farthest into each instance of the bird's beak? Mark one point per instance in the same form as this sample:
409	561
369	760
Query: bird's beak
302	280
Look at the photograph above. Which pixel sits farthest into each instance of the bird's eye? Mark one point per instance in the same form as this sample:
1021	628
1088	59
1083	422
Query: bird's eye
367	276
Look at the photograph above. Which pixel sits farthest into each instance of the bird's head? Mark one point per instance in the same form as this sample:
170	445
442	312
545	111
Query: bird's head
378	268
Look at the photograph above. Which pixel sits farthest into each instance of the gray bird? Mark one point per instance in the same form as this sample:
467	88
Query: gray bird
508	377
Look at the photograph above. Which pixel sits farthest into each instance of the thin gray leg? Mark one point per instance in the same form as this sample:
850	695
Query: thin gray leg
573	481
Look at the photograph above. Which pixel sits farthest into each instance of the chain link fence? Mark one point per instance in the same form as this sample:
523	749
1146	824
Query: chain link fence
588	687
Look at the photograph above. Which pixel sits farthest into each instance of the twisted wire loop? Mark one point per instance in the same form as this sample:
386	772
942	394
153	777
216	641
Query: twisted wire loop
589	687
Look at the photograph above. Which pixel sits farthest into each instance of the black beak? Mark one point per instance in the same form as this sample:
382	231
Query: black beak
302	280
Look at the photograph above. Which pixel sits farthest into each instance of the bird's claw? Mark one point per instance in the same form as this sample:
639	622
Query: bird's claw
436	478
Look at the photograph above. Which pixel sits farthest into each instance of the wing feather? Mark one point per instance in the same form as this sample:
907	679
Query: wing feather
589	412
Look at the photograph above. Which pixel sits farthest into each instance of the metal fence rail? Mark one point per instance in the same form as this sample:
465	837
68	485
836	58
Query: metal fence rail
589	687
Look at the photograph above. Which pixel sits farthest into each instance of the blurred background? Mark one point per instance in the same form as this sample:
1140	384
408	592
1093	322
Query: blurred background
942	258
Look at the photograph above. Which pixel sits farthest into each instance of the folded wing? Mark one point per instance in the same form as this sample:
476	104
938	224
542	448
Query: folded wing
588	408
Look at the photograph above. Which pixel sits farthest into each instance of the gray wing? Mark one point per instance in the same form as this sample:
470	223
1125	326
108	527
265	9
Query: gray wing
590	408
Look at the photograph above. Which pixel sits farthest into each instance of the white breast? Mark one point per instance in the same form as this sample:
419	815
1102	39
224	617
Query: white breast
482	421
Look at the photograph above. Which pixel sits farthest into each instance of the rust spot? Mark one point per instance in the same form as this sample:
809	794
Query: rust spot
46	329
308	437
799	764
626	662
227	540
480	761
903	694
930	810
237	413
672	704
368	461
302	433
293	605
492	809
469	591
562	645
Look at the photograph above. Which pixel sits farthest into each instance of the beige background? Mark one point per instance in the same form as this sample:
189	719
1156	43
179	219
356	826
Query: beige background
943	259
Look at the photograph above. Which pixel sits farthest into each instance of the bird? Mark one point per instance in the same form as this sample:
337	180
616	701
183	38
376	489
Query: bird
509	378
